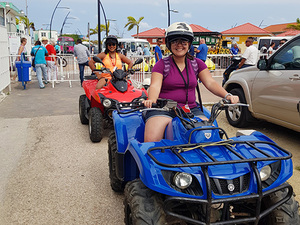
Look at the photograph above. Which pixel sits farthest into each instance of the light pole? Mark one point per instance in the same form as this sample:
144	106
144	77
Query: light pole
54	12
99	33
64	23
170	10
107	25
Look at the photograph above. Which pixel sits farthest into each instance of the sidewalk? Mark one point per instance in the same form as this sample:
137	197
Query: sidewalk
36	102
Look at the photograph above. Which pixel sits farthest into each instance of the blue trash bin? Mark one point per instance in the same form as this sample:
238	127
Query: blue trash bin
23	70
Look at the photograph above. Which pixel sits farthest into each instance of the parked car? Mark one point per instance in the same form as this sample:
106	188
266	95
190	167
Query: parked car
272	89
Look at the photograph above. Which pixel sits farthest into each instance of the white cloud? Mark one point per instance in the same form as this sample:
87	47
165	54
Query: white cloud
144	26
187	15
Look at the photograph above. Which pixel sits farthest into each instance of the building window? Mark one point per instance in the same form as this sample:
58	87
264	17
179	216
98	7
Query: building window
43	34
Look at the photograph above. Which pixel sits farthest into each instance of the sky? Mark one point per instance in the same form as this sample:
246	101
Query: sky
216	15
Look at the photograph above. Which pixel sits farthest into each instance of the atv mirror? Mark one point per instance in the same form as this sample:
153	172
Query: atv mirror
98	60
138	61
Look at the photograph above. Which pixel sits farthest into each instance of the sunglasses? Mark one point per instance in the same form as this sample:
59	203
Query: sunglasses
179	41
111	44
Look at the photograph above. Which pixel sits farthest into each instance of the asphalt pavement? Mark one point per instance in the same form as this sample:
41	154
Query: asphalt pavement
51	173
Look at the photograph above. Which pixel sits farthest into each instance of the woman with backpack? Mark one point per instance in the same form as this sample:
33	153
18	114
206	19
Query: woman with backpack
175	77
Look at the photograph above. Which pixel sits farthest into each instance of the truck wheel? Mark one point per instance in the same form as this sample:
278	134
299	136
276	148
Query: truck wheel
95	124
286	214
238	116
83	109
142	205
115	183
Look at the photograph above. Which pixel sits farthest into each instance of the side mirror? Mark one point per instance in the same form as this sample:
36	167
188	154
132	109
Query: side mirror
98	60
138	61
262	64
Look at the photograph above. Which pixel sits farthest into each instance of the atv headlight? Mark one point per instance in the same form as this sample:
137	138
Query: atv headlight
106	103
182	180
265	173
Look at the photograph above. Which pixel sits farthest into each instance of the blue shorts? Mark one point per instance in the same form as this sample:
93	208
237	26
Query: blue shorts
171	114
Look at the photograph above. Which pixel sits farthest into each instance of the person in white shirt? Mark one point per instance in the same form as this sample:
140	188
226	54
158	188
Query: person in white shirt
139	50
271	48
250	56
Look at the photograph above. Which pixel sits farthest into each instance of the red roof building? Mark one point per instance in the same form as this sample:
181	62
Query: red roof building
199	32
198	29
240	33
289	33
278	28
151	35
246	29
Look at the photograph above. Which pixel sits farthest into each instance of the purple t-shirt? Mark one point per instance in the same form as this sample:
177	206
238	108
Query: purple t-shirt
173	86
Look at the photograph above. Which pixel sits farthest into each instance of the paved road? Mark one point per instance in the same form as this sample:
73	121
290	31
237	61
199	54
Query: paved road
50	171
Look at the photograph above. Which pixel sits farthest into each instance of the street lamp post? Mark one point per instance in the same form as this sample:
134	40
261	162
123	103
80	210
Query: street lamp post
170	10
99	33
99	24
54	12
64	23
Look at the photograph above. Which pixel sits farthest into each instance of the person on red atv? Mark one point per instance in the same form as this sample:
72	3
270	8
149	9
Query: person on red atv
111	59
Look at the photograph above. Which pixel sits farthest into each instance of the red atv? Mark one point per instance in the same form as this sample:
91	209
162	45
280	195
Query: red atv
97	105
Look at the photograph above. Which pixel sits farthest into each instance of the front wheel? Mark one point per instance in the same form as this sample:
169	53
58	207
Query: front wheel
238	116
142	205
83	109
116	184
95	124
286	214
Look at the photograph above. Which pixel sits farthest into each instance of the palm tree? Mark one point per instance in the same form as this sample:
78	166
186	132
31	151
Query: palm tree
102	28
294	26
26	22
132	23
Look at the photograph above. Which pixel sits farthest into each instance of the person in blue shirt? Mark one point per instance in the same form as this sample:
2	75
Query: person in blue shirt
235	49
39	52
146	50
201	52
57	48
157	50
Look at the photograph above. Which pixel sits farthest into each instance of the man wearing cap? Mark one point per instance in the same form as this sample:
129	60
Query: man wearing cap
51	61
44	41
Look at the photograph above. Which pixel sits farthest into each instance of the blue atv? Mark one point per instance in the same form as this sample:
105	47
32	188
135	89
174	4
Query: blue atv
197	174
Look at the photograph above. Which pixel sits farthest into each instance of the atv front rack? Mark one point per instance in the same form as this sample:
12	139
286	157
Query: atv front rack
173	201
177	149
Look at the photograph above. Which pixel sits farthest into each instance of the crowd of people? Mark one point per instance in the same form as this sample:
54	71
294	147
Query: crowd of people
44	54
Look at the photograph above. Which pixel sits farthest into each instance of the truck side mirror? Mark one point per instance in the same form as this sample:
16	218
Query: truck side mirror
262	64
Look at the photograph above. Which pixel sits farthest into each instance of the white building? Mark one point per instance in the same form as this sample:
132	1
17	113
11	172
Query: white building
38	34
10	35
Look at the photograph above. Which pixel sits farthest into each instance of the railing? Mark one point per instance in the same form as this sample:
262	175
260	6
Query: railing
68	71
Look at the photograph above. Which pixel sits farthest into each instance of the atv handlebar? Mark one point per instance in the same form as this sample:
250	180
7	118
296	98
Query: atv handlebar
167	105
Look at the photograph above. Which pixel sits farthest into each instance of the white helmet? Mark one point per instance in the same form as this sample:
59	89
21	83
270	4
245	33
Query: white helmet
179	30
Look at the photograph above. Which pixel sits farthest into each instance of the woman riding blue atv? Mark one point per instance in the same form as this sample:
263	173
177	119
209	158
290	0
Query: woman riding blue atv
175	78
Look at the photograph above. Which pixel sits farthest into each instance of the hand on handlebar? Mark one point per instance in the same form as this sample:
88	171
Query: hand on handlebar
233	99
148	103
